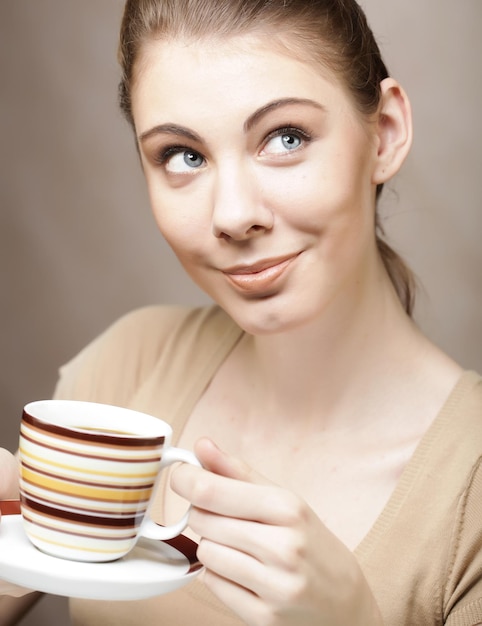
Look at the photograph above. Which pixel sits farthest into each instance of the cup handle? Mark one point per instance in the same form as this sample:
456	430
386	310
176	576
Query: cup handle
149	528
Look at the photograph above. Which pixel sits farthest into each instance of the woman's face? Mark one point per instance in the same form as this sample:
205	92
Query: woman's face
260	176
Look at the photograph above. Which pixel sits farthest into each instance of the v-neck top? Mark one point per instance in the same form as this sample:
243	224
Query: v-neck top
423	555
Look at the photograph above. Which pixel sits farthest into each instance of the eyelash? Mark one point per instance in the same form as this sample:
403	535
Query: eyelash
166	153
289	130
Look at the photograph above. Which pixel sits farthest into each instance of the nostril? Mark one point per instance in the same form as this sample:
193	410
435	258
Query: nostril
240	235
256	229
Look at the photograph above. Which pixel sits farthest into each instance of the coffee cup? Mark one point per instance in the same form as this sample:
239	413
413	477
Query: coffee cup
87	477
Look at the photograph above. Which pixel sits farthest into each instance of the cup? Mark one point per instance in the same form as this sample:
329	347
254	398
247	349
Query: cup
87	475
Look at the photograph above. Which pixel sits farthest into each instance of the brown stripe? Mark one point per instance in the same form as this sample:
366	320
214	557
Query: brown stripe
79	518
189	549
85	435
75	481
89	536
38	501
90	456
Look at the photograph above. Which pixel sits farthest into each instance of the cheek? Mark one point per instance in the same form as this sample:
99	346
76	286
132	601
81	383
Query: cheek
180	220
332	202
311	198
294	196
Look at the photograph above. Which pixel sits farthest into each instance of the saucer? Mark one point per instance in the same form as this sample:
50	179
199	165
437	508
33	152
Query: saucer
150	569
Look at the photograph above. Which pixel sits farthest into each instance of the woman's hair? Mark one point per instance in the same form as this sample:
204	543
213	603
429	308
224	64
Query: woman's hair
334	33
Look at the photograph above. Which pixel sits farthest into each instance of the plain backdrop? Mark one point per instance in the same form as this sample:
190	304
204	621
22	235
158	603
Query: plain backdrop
78	246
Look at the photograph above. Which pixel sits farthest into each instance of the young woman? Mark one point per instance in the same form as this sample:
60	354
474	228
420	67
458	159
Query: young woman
341	479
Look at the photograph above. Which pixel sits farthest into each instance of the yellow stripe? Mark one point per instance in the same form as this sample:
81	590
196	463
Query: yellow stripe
86	507
28	455
84	491
70	547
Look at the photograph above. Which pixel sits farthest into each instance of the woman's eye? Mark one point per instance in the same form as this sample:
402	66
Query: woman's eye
283	142
182	161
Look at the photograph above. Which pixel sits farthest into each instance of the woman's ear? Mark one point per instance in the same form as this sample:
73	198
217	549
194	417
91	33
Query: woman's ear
394	131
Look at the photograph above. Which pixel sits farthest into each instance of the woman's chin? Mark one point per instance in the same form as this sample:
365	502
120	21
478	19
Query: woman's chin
267	318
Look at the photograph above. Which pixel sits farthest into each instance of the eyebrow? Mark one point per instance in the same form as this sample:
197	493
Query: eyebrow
169	129
255	118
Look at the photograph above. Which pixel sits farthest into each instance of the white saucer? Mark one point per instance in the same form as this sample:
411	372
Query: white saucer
152	568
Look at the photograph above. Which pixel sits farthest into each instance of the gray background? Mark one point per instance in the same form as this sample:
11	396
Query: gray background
78	246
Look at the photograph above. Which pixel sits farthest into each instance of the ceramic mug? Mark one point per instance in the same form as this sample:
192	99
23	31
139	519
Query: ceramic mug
87	475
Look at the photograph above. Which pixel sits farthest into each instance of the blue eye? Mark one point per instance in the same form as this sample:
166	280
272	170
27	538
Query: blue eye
283	141
290	142
183	161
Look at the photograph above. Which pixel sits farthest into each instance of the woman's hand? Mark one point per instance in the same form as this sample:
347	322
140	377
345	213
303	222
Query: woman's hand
8	475
8	490
267	555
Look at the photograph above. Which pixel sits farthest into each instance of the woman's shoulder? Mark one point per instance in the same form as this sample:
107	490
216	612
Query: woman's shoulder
115	363
458	427
158	322
463	587
142	331
464	405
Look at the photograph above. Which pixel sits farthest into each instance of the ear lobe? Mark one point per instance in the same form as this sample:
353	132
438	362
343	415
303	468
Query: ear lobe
394	130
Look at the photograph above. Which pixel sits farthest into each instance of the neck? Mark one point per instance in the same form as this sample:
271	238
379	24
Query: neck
329	366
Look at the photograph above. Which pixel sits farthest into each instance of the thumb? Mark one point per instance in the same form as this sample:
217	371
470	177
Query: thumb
219	462
8	475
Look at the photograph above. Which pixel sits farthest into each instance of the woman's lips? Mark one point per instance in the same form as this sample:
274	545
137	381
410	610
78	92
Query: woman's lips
260	277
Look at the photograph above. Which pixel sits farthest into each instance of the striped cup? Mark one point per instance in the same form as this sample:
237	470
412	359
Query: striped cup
87	473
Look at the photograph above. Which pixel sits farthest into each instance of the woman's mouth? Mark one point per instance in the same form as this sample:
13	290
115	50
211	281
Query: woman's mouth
259	278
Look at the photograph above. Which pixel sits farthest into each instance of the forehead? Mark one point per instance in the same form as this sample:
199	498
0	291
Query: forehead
191	80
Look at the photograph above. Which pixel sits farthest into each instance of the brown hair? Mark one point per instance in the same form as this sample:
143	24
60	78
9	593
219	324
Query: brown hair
334	32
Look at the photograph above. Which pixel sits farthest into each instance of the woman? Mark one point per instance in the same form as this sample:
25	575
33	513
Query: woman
345	489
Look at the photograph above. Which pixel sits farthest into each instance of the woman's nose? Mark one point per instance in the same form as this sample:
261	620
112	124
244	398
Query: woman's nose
239	212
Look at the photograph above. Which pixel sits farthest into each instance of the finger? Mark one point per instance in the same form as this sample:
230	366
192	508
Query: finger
8	475
275	546
233	498
219	462
247	605
240	579
233	565
273	585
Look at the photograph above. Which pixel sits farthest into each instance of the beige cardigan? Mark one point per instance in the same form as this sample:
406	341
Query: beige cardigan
423	555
